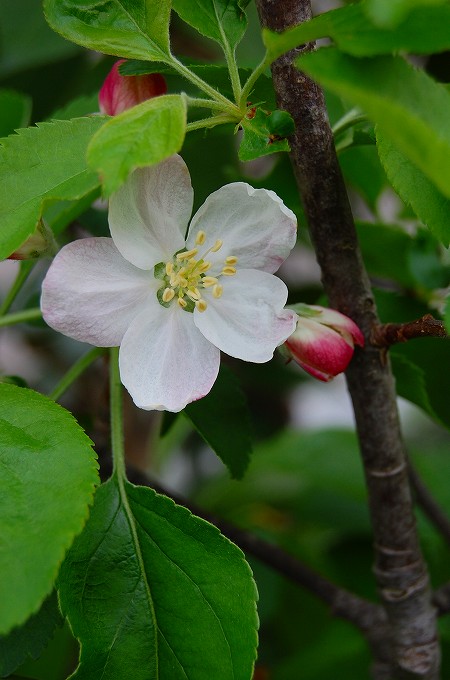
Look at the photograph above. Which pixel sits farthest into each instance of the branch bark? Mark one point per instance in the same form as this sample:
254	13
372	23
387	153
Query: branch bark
389	334
399	568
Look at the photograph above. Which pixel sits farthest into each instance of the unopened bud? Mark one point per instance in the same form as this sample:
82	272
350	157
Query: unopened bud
40	244
119	92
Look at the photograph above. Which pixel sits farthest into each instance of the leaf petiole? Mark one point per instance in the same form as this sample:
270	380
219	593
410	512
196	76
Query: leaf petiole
21	317
75	371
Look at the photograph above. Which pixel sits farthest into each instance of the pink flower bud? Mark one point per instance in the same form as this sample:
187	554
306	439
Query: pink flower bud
40	244
323	342
119	93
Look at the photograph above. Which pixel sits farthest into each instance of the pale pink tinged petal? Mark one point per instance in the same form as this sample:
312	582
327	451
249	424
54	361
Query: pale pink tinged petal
319	347
324	377
148	215
91	293
341	323
165	362
248	322
254	225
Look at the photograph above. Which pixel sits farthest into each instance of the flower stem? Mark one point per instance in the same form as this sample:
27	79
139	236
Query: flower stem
234	73
227	105
209	122
75	371
22	275
253	77
350	119
203	103
116	406
20	317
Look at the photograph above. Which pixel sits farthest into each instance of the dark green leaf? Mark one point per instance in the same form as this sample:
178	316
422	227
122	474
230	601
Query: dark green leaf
15	110
126	28
411	384
362	169
386	251
258	139
447	315
222	20
415	189
144	135
424	30
82	106
28	640
48	473
411	109
153	592
30	179
222	418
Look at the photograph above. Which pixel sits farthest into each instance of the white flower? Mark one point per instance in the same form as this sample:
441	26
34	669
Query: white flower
173	305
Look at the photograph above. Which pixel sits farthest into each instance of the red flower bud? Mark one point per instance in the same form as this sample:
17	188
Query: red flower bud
41	243
323	342
119	93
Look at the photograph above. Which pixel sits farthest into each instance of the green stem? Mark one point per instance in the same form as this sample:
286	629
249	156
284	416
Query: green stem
20	317
116	405
209	122
253	77
75	371
203	103
350	119
227	105
234	73
25	268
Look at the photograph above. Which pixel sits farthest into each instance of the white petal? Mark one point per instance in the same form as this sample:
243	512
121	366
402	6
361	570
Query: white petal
165	362
91	293
149	214
248	322
254	225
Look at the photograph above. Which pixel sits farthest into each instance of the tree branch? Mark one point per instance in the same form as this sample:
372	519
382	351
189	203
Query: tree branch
389	334
400	571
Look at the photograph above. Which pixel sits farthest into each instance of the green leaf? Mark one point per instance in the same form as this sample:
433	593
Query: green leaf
40	165
137	29
222	20
15	110
153	592
81	106
411	384
144	135
29	640
48	473
447	315
386	252
415	189
223	420
423	31
390	12
411	109
362	169
59	215
259	138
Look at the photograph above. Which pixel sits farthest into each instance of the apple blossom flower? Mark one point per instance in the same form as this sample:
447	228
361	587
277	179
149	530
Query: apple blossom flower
323	341
40	243
119	93
172	304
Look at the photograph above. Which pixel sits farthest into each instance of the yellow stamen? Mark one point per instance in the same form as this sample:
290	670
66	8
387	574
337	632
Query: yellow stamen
200	238
231	259
182	302
187	254
201	305
229	271
194	295
217	246
204	267
168	295
217	291
169	268
209	281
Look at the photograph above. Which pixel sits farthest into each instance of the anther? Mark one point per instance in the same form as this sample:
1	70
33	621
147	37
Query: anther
169	268
209	281
200	238
217	246
187	254
201	305
182	302
168	295
231	259
217	291
193	295
204	267
229	271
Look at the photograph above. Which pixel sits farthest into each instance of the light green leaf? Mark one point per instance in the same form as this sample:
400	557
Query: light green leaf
40	165
126	28
153	592
411	109
222	20
447	315
48	473
389	13
144	135
415	189
28	641
15	110
423	31
265	134
223	420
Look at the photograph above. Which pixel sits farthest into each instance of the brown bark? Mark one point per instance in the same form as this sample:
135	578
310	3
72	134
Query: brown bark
399	568
391	333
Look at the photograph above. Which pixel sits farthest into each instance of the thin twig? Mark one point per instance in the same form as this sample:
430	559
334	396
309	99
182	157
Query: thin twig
385	335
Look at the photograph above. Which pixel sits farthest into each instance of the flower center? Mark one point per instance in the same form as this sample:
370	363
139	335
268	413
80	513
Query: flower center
186	278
